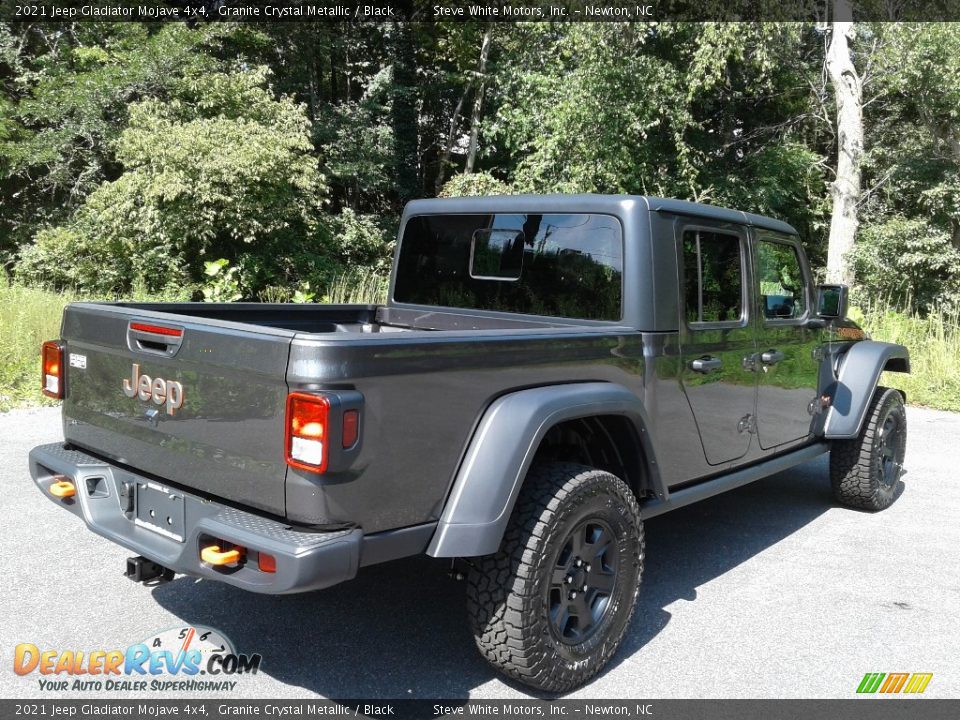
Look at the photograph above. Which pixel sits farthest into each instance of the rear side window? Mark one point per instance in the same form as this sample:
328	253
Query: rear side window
713	276
559	265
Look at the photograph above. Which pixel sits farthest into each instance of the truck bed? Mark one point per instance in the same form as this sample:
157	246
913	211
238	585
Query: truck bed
315	318
236	364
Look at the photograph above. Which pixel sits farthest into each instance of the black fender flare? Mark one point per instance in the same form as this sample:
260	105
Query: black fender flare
857	378
502	448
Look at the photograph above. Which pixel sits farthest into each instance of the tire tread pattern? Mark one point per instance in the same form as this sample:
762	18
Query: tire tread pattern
853	463
503	596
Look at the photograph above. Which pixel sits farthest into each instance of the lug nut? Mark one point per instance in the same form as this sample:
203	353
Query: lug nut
584	588
573	594
568	579
579	562
588	567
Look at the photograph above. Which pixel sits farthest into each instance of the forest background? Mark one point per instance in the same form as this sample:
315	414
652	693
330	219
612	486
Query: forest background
266	162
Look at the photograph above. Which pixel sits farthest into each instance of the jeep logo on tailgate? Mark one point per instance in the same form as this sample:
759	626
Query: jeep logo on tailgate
168	392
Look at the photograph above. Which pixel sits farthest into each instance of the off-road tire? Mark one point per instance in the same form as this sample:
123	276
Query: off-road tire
511	594
865	471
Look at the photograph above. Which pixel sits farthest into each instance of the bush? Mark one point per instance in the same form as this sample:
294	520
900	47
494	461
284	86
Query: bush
361	240
63	258
908	261
468	184
224	170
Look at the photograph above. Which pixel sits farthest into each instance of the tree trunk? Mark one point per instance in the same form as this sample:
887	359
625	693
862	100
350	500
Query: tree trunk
451	139
404	114
334	89
478	99
845	190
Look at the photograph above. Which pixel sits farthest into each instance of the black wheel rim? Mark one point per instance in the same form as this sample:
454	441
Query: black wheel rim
890	455
583	581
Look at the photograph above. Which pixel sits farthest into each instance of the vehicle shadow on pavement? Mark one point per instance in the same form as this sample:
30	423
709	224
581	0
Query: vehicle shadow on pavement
400	630
397	630
689	547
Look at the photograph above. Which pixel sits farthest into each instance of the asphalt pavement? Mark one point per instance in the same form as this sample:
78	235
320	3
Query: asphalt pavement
769	591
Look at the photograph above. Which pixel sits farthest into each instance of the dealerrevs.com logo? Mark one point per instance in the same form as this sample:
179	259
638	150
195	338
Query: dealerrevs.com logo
186	659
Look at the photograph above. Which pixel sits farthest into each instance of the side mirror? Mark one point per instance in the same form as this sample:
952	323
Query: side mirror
832	301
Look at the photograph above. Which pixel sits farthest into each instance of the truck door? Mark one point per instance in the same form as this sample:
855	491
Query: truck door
786	363
716	336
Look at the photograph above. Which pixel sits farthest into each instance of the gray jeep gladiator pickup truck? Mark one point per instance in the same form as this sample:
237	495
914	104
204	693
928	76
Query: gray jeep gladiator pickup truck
547	372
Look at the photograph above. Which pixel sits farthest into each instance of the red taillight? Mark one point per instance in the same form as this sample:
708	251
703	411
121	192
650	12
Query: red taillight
51	379
306	443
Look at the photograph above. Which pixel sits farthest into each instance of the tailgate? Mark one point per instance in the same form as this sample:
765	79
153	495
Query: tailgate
198	402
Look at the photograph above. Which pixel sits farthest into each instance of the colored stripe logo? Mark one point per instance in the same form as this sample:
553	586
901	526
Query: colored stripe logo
914	683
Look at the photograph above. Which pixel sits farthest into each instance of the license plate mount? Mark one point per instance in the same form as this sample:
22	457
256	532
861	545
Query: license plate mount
161	510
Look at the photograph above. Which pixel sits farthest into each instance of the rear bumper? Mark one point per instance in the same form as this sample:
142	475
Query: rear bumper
304	560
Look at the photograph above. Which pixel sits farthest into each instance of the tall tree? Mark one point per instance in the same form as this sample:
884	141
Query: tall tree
478	99
404	118
845	190
460	48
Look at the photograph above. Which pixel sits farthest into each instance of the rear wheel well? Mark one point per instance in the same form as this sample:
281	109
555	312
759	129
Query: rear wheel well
605	442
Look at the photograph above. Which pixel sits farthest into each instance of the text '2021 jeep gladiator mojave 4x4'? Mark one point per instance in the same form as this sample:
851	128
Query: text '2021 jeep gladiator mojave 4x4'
547	372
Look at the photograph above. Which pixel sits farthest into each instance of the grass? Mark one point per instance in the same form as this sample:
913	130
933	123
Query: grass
934	344
29	316
358	286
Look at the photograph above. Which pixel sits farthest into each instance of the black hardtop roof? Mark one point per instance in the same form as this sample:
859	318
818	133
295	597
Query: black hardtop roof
615	204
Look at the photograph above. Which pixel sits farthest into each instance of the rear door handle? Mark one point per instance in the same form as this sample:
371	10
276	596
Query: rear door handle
706	364
771	357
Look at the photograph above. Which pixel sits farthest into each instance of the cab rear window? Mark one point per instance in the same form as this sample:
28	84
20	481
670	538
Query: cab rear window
555	265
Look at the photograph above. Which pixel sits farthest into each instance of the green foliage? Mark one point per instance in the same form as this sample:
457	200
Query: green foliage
755	135
934	343
908	250
586	119
467	184
784	181
133	154
362	240
223	167
359	162
358	285
164	146
66	97
63	258
712	112
303	294
222	284
909	262
28	317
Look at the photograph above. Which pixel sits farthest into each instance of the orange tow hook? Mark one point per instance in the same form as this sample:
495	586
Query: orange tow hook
63	488
215	556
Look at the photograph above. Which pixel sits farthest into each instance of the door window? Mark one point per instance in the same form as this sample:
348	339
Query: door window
713	277
781	281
